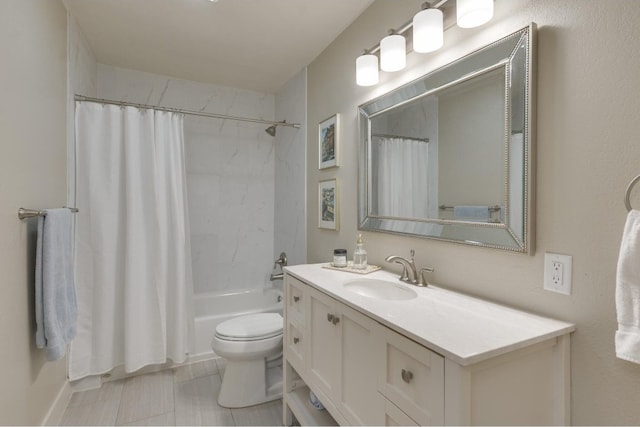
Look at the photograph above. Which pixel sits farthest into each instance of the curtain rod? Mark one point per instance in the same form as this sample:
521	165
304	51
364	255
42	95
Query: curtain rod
409	138
188	112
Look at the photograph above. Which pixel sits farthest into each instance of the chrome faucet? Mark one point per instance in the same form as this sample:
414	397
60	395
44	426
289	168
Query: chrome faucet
409	273
282	262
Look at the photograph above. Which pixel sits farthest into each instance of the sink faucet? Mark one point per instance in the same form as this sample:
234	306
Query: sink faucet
409	273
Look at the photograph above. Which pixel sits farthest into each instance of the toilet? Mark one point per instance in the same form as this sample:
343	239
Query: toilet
252	346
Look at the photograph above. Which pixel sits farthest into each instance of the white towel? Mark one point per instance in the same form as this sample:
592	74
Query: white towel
55	296
472	213
628	291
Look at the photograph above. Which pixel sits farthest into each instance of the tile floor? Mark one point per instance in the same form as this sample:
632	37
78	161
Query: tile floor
185	395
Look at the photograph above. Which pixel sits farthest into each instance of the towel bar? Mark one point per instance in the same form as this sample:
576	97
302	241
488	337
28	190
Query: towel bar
627	194
490	208
31	213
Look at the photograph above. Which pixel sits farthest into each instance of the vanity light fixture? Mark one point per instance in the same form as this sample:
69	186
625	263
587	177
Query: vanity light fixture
473	13
367	69
428	36
393	52
428	30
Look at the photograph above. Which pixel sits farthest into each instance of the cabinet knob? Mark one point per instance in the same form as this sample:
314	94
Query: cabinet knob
330	317
407	376
296	340
335	320
296	298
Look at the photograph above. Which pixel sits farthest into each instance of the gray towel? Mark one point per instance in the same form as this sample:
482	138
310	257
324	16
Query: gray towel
56	309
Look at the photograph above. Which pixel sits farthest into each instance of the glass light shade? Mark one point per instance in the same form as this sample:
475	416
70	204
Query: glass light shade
428	30
473	13
367	70
393	53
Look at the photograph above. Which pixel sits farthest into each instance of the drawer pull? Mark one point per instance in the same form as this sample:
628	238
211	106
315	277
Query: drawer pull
407	376
296	298
296	340
335	320
330	317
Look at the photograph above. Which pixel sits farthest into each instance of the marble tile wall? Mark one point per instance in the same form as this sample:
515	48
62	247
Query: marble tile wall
291	172
230	174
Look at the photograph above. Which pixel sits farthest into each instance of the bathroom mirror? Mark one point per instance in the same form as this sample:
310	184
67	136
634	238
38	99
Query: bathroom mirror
449	156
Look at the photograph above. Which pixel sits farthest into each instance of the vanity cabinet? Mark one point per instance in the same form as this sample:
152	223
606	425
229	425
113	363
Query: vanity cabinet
338	362
368	368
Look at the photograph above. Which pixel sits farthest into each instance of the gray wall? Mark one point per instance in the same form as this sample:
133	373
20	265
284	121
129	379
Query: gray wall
587	152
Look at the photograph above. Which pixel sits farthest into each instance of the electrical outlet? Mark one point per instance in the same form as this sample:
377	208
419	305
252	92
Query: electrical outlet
557	273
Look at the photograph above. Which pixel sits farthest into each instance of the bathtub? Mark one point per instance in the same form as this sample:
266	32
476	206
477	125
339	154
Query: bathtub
212	308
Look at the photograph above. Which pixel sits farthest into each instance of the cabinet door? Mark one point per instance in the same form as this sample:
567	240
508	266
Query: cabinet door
323	360
360	401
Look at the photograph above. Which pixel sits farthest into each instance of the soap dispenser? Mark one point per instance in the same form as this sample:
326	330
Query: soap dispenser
360	255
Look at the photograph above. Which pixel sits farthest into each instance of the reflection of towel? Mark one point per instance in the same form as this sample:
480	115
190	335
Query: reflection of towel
54	287
471	213
628	291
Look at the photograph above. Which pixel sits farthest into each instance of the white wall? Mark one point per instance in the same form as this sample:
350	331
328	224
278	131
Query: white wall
587	152
290	171
230	173
32	175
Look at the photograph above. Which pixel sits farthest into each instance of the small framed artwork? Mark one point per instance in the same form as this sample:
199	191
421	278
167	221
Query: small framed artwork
328	204
328	142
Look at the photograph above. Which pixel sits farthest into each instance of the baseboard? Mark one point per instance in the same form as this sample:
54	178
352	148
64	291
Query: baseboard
54	416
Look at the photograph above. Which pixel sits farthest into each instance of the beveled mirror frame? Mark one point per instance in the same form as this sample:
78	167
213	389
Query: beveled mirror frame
516	54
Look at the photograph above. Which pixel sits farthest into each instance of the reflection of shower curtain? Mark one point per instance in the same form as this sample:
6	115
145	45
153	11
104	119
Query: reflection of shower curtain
133	262
403	186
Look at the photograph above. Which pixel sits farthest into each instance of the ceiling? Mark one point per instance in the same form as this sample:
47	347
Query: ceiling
251	44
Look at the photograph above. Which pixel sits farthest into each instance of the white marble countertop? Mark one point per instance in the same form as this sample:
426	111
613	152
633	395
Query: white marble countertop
462	328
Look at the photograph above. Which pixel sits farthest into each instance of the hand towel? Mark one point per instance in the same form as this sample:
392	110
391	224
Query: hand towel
472	213
55	296
628	291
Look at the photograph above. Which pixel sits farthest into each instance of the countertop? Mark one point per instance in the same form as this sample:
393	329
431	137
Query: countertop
462	328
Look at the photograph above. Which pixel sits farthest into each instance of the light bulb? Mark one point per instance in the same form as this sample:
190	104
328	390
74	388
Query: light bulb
367	70
428	30
473	13
393	53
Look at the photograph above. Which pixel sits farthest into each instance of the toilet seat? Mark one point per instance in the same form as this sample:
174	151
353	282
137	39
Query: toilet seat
252	327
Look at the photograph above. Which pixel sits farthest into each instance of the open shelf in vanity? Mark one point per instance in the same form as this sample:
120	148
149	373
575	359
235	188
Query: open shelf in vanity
443	359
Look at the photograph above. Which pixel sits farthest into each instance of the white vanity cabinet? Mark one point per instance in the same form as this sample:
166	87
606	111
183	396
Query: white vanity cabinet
338	360
441	359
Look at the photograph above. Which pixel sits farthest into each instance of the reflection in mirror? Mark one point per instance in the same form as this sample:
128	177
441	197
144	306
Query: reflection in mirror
448	155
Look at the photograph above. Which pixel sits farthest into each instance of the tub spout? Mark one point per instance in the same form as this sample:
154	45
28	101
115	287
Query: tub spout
278	276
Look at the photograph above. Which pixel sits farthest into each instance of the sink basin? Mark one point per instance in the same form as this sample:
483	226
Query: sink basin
380	289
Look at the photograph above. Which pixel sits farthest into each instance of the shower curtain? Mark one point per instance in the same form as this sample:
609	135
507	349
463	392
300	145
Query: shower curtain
133	262
404	189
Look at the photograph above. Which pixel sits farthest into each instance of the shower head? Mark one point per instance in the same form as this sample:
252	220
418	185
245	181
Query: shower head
271	130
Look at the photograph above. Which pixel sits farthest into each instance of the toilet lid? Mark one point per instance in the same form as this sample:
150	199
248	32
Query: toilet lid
251	327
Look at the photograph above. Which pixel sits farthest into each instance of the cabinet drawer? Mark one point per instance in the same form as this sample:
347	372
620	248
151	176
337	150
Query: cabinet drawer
412	377
294	346
295	299
393	416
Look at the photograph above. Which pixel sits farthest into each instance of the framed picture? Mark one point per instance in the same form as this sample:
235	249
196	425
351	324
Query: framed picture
328	204
328	142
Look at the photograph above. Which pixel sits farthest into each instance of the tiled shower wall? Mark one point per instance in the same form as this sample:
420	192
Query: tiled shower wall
230	174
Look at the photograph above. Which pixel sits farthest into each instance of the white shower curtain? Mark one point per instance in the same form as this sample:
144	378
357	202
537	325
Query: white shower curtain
133	262
403	186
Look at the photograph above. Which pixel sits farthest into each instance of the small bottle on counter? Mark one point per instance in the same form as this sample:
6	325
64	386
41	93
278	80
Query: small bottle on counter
360	255
339	257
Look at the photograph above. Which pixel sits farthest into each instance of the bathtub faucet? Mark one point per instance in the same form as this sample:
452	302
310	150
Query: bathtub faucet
282	262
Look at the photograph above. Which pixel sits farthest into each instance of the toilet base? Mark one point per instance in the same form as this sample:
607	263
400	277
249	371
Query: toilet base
248	383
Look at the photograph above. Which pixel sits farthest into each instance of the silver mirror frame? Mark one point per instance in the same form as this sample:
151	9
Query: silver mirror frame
501	53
